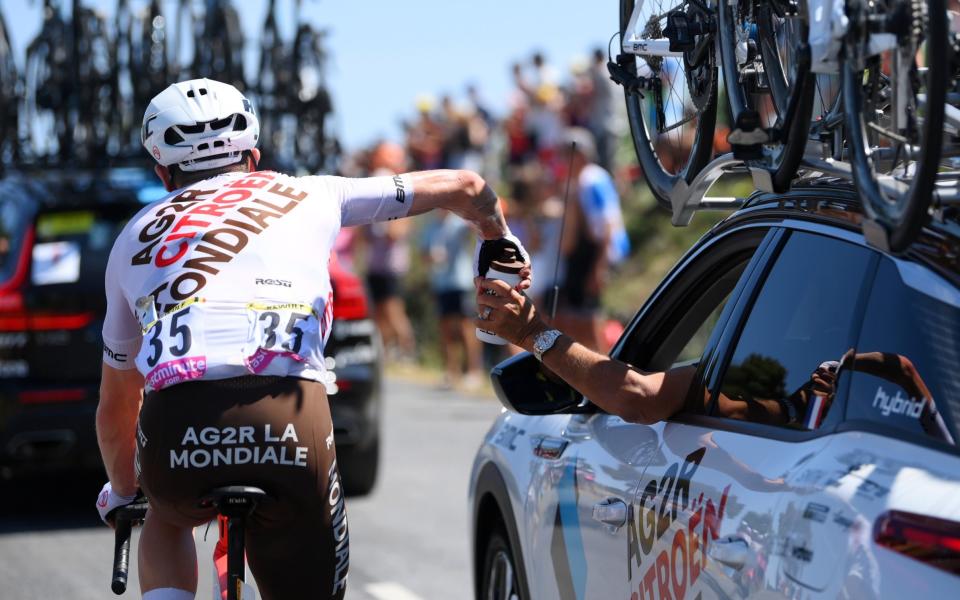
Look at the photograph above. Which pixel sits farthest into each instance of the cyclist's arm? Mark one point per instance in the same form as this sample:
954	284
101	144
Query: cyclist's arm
121	393
372	199
121	384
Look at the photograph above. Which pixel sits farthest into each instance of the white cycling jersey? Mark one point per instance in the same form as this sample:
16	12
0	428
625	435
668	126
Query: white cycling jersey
229	276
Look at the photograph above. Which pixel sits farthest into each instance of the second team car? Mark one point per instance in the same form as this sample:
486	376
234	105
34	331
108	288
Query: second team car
816	456
56	231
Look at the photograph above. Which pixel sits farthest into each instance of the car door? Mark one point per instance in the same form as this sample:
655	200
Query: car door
592	544
707	519
880	508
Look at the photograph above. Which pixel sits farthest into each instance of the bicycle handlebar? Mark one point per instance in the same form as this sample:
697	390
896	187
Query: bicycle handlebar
124	519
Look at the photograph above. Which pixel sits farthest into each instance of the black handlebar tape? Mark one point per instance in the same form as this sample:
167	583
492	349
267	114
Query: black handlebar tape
121	556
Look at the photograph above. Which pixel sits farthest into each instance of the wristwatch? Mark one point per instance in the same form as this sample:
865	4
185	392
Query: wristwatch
544	341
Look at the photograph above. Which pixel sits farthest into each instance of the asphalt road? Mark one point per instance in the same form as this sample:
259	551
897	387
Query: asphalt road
408	540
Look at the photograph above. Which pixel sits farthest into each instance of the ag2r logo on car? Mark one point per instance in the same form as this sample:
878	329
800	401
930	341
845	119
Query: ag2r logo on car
673	570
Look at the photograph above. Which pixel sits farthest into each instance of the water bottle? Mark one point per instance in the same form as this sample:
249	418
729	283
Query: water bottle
506	269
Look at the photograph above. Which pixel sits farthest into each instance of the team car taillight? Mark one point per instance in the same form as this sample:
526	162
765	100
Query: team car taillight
930	540
24	321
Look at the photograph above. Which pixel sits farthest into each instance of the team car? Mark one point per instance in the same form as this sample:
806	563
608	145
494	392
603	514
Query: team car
850	489
56	231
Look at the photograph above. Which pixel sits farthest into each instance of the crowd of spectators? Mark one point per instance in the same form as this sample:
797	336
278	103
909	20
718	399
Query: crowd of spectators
558	130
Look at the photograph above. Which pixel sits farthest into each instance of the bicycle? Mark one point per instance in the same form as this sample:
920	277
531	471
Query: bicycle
234	504
896	137
9	99
673	143
884	130
294	99
220	55
765	62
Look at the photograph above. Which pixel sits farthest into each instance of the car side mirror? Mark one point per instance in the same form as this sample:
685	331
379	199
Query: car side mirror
525	386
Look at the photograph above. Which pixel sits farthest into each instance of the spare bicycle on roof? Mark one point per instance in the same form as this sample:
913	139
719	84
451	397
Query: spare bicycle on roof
86	80
862	90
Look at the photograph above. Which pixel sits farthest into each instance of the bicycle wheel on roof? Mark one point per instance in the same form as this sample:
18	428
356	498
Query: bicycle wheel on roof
895	77
670	87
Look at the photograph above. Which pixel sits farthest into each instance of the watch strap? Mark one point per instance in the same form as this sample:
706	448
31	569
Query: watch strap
544	341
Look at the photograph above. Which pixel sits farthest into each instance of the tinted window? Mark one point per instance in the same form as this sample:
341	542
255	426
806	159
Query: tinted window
14	217
906	372
69	256
783	369
694	348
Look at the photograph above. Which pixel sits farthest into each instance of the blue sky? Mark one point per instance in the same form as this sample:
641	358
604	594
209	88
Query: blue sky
385	54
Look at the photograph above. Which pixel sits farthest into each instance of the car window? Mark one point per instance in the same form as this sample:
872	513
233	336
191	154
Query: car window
69	256
905	371
693	349
696	307
14	215
784	368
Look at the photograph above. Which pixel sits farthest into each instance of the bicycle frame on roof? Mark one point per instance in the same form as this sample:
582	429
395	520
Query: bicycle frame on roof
645	47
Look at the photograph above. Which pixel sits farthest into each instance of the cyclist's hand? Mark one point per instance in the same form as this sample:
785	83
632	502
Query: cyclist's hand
489	250
108	502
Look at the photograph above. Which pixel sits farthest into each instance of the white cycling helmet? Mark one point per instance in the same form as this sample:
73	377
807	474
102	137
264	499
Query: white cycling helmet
199	124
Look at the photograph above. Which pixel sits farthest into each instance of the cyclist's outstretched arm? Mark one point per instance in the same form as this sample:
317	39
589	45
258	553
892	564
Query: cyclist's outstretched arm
121	393
372	199
462	192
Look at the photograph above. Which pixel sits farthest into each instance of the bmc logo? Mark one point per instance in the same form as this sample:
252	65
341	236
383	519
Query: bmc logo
401	194
117	356
280	282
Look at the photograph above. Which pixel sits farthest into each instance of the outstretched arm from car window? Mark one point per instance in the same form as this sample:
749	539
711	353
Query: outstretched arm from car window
613	385
121	394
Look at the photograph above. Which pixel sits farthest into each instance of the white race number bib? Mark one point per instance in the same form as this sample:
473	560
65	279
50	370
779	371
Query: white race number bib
173	351
283	329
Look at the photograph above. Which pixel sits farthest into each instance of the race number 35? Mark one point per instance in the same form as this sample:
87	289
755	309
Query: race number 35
294	328
176	337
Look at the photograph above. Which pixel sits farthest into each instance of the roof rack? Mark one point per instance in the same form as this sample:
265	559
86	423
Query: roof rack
686	199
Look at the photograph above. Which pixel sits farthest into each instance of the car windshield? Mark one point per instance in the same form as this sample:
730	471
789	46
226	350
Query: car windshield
69	255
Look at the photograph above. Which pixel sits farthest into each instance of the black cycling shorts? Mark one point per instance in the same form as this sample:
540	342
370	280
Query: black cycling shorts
269	432
383	286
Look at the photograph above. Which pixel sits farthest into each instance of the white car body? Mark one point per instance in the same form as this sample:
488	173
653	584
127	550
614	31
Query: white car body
700	507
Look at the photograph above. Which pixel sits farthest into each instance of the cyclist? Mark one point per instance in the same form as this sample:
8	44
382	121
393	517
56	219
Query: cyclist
218	306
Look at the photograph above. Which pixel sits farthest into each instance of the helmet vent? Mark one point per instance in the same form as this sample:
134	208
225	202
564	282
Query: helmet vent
172	137
218	144
240	123
191	94
192	129
203	146
220	123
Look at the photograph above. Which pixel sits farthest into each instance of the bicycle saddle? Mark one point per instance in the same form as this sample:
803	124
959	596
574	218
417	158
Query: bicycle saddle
233	496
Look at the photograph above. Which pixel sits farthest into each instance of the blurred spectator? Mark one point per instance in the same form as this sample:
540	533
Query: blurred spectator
479	106
448	244
527	150
425	137
604	106
534	215
388	260
594	238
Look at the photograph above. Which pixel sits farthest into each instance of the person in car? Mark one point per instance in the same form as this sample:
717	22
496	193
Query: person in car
641	397
219	304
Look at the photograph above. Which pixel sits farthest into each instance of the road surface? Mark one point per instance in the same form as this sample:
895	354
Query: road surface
408	540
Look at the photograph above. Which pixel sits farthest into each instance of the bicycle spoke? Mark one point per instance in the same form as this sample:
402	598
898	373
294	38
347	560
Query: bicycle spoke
678	124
